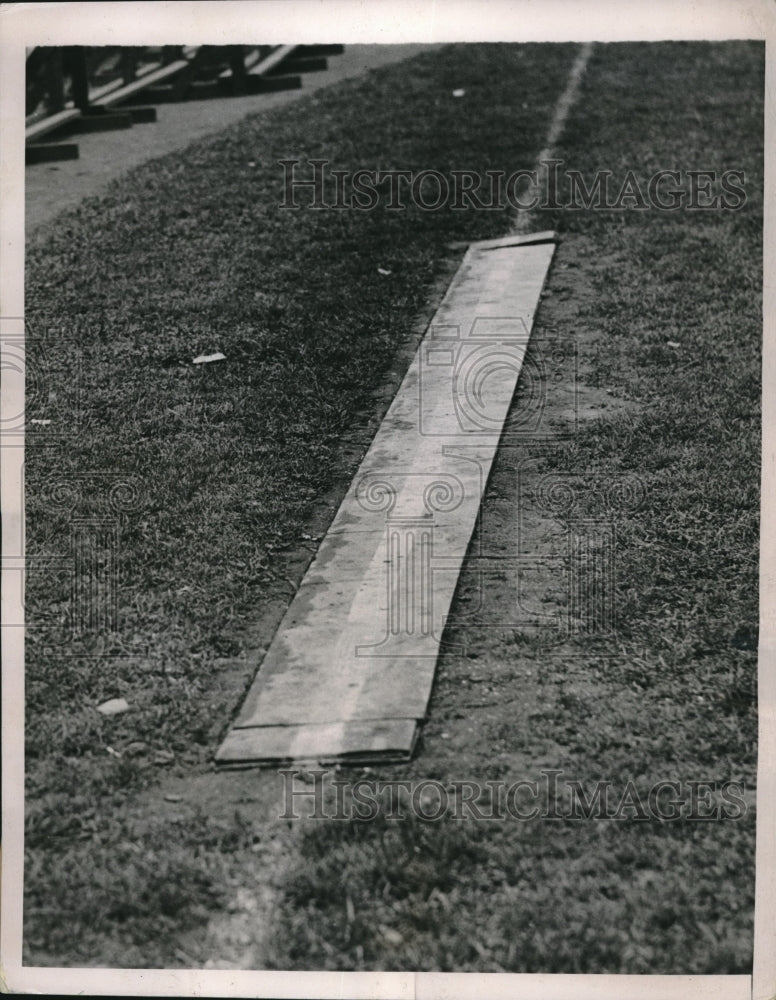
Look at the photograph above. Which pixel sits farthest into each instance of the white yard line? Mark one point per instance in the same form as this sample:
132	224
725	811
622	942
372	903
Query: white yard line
524	220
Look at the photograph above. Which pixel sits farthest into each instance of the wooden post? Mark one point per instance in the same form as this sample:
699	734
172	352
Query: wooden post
237	66
75	66
55	84
128	64
171	53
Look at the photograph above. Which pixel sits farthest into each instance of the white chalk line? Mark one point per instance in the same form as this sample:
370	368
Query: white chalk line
524	219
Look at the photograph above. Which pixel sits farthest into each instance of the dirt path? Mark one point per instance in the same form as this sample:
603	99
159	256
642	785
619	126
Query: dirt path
53	187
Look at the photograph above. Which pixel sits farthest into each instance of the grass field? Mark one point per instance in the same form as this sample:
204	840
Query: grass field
223	475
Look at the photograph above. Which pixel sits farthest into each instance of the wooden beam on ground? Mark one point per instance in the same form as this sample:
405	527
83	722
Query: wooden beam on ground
309	64
49	152
320	50
102	122
349	672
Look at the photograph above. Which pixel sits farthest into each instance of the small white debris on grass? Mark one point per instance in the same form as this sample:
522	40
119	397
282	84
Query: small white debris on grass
173	798
459	92
390	935
43	423
382	270
672	343
114	706
204	359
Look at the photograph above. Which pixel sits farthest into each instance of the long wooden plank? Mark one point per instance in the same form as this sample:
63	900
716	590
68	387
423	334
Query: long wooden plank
143	82
97	95
275	58
260	67
359	642
47	125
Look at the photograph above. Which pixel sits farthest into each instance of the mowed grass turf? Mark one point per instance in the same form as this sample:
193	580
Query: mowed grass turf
192	254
